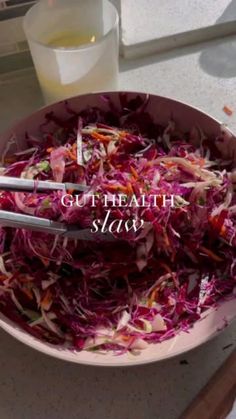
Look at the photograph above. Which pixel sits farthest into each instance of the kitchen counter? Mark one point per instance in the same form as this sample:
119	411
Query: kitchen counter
34	386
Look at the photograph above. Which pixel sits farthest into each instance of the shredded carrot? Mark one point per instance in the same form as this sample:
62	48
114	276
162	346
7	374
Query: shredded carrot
227	110
200	162
129	189
169	164
50	149
211	254
122	134
125	338
72	155
101	137
217	222
223	231
134	172
28	293
9	160
150	163
116	187
47	299
152	298
166	239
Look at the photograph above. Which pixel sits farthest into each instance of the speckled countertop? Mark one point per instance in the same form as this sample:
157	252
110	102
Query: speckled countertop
34	386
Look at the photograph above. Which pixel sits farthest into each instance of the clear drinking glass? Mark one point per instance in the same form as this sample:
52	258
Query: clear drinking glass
74	45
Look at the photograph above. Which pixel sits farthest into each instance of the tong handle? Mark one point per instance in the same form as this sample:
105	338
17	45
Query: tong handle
29	222
43	225
15	184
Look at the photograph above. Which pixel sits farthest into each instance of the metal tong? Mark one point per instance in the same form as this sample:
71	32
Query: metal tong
29	222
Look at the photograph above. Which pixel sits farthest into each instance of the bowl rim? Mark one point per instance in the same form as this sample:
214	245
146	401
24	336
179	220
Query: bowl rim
113	92
52	350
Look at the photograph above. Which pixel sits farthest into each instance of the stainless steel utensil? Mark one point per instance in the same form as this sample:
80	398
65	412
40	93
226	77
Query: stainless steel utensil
29	222
15	184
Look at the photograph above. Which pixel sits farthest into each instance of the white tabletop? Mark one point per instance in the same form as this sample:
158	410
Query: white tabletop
33	386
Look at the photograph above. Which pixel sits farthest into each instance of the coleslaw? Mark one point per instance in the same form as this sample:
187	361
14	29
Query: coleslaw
147	285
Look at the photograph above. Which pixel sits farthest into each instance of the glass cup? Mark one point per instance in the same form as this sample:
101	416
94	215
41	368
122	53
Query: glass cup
74	45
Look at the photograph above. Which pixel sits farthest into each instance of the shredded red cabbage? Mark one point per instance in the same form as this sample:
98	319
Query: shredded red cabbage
120	296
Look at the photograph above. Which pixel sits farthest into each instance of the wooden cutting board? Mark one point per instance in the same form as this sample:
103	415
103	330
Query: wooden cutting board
215	400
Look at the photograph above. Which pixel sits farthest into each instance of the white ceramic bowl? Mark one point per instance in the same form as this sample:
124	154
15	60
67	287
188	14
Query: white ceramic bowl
213	320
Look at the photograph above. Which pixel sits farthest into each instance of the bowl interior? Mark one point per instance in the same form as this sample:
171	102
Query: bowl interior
212	323
162	109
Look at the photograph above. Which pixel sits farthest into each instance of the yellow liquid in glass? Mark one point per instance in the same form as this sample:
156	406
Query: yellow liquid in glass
71	40
65	78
